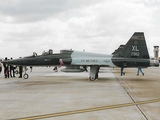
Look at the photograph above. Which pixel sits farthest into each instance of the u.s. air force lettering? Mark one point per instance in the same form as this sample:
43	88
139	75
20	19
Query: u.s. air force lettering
135	51
95	61
89	60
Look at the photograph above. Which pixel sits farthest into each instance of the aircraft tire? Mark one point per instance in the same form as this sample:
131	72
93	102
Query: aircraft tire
91	78
25	76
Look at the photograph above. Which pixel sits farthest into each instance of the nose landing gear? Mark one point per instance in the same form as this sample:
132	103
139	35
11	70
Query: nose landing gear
25	76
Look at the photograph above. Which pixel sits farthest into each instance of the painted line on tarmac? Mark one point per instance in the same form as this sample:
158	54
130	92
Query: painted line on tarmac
87	110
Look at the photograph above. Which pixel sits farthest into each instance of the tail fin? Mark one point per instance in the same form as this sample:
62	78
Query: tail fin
135	48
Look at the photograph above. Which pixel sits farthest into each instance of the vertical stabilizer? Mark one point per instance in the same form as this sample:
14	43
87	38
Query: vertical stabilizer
135	48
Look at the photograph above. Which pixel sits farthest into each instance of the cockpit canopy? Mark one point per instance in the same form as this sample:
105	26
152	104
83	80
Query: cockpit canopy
50	52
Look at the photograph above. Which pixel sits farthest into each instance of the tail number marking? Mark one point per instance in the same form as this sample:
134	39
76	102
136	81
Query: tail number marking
135	51
135	48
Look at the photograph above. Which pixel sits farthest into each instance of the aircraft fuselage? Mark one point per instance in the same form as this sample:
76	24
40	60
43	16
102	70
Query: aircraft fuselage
80	59
133	54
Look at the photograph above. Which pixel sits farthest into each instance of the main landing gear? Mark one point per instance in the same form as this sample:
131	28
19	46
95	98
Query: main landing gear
93	78
94	73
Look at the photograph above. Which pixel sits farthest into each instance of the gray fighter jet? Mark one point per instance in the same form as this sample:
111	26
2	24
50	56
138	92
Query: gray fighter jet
133	54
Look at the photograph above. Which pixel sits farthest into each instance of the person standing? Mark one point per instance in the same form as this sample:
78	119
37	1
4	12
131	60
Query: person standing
0	66
122	73
20	71
12	70
31	68
6	69
140	71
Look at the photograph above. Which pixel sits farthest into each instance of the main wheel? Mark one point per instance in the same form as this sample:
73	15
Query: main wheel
91	78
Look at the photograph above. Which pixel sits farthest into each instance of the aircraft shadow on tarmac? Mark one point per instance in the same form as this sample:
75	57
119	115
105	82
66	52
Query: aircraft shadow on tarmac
61	80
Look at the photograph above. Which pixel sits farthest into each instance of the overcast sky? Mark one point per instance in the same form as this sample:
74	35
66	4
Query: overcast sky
100	26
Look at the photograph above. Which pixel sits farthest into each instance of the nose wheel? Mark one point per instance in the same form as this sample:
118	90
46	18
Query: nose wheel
25	76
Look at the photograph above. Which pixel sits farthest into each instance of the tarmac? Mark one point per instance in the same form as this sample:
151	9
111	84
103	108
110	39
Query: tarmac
50	95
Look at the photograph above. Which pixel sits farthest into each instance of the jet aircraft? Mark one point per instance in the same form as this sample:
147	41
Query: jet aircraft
133	54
